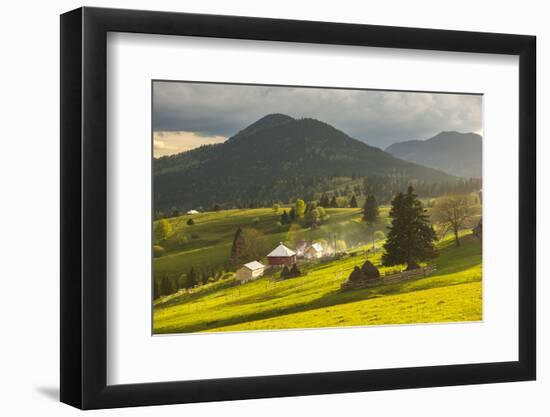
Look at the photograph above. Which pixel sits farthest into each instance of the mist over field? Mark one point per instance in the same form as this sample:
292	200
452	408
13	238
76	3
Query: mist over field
284	207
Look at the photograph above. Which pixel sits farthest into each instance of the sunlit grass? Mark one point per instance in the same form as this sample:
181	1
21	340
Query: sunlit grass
453	293
207	244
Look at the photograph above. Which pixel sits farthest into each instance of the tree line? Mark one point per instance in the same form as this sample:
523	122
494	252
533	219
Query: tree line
342	191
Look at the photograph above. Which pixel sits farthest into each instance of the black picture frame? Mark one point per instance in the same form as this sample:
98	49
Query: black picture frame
84	207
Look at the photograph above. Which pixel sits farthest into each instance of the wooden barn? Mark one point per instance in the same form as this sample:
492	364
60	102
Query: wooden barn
250	271
281	255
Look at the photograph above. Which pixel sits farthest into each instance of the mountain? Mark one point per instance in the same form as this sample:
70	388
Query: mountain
275	158
452	152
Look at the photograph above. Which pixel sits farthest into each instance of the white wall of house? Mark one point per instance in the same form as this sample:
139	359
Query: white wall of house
245	274
312	254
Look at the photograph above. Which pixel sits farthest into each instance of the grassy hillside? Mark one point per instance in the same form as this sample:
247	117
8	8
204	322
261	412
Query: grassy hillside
207	244
315	299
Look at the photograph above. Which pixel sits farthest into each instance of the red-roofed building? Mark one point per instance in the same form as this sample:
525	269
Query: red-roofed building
281	255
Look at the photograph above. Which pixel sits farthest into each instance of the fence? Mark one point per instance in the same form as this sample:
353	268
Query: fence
390	279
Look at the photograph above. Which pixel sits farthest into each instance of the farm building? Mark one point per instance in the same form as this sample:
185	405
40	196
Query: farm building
192	212
314	251
281	255
250	271
301	247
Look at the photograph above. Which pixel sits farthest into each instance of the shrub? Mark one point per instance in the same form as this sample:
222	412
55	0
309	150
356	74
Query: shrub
412	264
190	222
295	271
379	235
158	251
285	272
341	246
227	275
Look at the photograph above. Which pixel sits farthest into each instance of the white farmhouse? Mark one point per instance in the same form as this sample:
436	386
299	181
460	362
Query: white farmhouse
314	251
192	212
250	271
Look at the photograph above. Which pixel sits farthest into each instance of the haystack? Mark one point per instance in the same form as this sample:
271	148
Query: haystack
356	275
370	271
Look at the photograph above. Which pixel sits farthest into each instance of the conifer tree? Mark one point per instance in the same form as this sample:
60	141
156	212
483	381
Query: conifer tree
411	237
324	202
156	288
294	271
237	241
191	279
333	202
285	272
291	215
370	210
353	202
165	286
284	217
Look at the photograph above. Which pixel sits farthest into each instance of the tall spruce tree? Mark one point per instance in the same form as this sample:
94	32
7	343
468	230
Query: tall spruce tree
324	202
292	215
370	210
191	279
284	217
353	202
411	236
237	245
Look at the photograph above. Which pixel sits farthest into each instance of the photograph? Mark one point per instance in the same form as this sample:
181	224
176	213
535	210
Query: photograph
286	207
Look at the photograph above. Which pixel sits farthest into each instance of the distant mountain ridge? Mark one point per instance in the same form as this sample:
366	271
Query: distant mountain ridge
455	153
277	158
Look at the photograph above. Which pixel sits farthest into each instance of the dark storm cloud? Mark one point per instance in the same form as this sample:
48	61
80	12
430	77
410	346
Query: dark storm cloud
376	117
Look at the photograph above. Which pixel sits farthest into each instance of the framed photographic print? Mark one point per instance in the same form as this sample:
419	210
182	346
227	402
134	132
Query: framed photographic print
258	207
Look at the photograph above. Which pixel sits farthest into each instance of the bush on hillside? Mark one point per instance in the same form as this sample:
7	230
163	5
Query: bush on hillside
411	265
227	275
158	251
295	271
285	272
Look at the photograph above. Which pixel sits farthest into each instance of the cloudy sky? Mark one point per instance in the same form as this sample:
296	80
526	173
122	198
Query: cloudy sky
187	115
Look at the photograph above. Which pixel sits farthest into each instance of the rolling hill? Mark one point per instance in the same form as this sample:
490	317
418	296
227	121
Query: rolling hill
452	152
453	293
274	158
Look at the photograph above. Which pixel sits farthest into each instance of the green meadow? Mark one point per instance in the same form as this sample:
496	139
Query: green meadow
314	299
207	243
